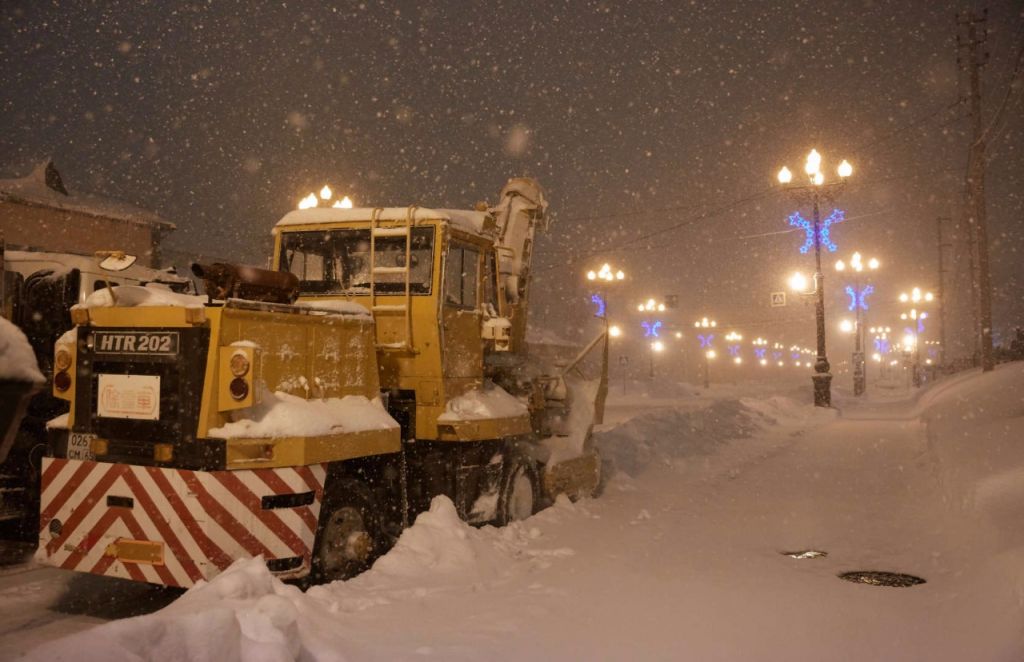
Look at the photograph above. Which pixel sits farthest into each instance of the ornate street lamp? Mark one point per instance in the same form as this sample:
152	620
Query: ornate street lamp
706	337
916	298
603	276
812	193
858	303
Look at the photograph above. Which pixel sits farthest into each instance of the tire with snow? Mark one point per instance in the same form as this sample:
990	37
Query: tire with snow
349	536
519	494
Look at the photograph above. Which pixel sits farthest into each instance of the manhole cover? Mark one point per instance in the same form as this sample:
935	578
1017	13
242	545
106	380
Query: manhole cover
806	554
879	578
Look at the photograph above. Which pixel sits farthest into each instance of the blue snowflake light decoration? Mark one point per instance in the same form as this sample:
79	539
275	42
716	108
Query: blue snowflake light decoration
882	345
651	328
759	352
795	356
705	341
596	299
776	356
859	299
734	350
824	230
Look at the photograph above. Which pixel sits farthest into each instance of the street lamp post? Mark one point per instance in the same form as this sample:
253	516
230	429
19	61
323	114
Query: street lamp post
604	275
916	297
813	192
880	336
858	303
707	351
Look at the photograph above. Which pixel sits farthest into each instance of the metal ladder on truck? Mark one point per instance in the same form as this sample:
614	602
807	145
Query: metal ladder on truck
398	230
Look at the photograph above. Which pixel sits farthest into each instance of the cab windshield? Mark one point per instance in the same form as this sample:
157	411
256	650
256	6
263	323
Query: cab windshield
338	261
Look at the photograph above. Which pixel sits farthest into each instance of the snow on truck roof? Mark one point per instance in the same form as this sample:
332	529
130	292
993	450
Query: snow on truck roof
26	262
464	219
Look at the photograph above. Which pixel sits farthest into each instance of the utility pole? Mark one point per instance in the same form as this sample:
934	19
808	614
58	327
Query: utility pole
968	22
942	294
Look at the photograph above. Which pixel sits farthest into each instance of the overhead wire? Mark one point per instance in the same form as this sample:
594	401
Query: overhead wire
621	246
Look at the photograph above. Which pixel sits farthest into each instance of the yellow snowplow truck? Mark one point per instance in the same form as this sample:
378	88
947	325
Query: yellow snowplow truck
307	414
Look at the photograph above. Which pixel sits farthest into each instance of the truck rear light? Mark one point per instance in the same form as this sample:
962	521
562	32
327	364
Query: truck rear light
62	360
239	364
62	381
99	446
239	388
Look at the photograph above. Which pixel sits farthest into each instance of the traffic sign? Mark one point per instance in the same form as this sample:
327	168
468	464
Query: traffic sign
778	299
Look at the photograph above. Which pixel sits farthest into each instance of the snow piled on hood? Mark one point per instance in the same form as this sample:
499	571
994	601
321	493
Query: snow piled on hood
280	414
17	361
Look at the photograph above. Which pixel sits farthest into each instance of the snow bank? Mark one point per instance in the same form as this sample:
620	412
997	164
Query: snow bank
246	614
974	424
666	434
243	614
283	415
153	294
491	401
17	361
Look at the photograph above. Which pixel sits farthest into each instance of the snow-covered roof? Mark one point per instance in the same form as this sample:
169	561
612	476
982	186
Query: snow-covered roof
44	187
27	262
464	219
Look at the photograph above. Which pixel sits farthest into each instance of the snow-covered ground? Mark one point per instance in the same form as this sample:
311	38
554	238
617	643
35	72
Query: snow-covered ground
680	558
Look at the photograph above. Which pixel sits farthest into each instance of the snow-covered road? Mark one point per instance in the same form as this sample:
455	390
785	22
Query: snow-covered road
679	559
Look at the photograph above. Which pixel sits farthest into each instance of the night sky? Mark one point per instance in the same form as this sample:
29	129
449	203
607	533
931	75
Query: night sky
656	128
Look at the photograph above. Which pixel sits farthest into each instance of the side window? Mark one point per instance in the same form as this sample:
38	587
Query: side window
461	277
491	281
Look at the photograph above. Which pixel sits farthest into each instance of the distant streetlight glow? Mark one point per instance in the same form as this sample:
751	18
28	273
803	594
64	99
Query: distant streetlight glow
785	176
325	192
813	164
614	331
846	326
798	282
308	202
605	273
658	346
344	203
845	169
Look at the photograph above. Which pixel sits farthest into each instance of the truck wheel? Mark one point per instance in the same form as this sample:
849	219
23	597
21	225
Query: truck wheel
519	492
349	536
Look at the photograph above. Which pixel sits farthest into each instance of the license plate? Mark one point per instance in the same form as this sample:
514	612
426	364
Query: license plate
129	396
80	446
164	343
